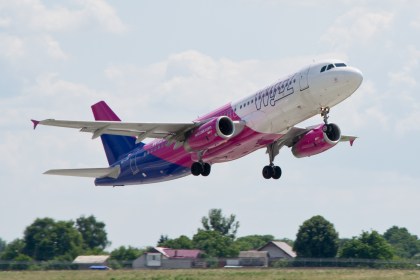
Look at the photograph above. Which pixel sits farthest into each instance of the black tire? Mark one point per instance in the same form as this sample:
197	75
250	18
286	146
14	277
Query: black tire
267	172
196	168
206	169
276	172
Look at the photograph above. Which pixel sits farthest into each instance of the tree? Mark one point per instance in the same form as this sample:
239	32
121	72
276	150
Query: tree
316	238
216	222
2	245
369	245
93	233
215	244
405	244
13	250
46	239
182	242
126	253
252	242
162	240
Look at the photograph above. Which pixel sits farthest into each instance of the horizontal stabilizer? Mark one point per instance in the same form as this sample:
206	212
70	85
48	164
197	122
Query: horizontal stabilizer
112	172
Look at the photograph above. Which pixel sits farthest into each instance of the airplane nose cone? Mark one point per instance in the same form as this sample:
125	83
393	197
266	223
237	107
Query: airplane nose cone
355	77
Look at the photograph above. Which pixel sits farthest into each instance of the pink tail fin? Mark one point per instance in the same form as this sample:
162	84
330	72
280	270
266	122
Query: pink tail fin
115	146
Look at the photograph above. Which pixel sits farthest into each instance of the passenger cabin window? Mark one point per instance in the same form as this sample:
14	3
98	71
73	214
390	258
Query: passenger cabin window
323	68
340	65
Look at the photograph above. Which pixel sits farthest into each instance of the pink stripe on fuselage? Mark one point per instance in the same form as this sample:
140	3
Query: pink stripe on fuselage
244	143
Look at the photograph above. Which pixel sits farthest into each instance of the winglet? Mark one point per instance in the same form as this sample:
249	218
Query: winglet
351	139
35	122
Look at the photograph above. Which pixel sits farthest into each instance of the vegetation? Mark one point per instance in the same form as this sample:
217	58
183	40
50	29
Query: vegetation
182	242
46	239
49	244
215	274
252	242
93	233
405	245
216	222
2	245
316	238
369	245
61	241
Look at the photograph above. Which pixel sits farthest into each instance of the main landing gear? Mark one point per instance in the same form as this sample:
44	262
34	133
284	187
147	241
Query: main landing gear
200	168
271	170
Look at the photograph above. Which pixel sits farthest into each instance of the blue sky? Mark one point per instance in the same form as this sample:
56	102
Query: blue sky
175	60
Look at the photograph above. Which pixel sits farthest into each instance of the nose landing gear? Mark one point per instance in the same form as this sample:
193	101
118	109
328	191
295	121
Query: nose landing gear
324	114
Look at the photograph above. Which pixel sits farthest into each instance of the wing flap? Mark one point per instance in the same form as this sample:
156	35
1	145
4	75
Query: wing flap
150	130
112	172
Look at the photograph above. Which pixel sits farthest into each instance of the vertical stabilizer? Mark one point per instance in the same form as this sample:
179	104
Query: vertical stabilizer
115	146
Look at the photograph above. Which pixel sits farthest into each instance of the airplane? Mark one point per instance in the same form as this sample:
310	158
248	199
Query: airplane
264	119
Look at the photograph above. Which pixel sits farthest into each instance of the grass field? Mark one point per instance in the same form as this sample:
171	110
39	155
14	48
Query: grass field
274	274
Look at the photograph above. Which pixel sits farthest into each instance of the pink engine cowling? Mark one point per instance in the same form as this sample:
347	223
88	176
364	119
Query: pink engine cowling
210	134
317	140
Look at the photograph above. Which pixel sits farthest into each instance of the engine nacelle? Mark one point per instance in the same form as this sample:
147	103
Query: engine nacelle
211	134
317	140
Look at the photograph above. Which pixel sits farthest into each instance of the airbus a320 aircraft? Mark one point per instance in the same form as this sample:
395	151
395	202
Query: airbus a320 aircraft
265	119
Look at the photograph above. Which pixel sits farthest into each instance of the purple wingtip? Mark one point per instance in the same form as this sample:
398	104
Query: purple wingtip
35	122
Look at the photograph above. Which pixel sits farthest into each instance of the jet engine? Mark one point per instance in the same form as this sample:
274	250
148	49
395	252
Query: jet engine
210	134
317	140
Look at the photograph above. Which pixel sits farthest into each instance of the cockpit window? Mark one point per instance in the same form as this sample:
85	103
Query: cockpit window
340	65
323	68
330	66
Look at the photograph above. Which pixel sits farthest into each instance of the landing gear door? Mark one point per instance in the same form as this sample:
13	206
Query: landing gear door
303	81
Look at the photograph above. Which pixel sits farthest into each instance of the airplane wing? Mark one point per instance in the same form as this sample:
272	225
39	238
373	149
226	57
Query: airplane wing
168	131
112	172
294	134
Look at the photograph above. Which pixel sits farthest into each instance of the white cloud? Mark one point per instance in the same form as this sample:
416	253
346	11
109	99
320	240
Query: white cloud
51	88
105	15
416	23
11	47
34	15
5	22
405	76
53	48
190	83
357	27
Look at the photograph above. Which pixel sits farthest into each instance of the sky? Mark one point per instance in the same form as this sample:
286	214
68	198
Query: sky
171	61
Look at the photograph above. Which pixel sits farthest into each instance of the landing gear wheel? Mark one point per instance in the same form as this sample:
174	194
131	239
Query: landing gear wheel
200	168
267	172
206	169
197	168
276	172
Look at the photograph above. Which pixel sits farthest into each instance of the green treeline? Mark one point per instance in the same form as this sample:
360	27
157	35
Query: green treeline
49	240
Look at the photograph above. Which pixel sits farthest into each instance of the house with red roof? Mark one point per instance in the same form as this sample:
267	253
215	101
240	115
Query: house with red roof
160	257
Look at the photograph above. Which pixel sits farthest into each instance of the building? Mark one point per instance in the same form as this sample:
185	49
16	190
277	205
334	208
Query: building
86	262
168	258
253	258
278	250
